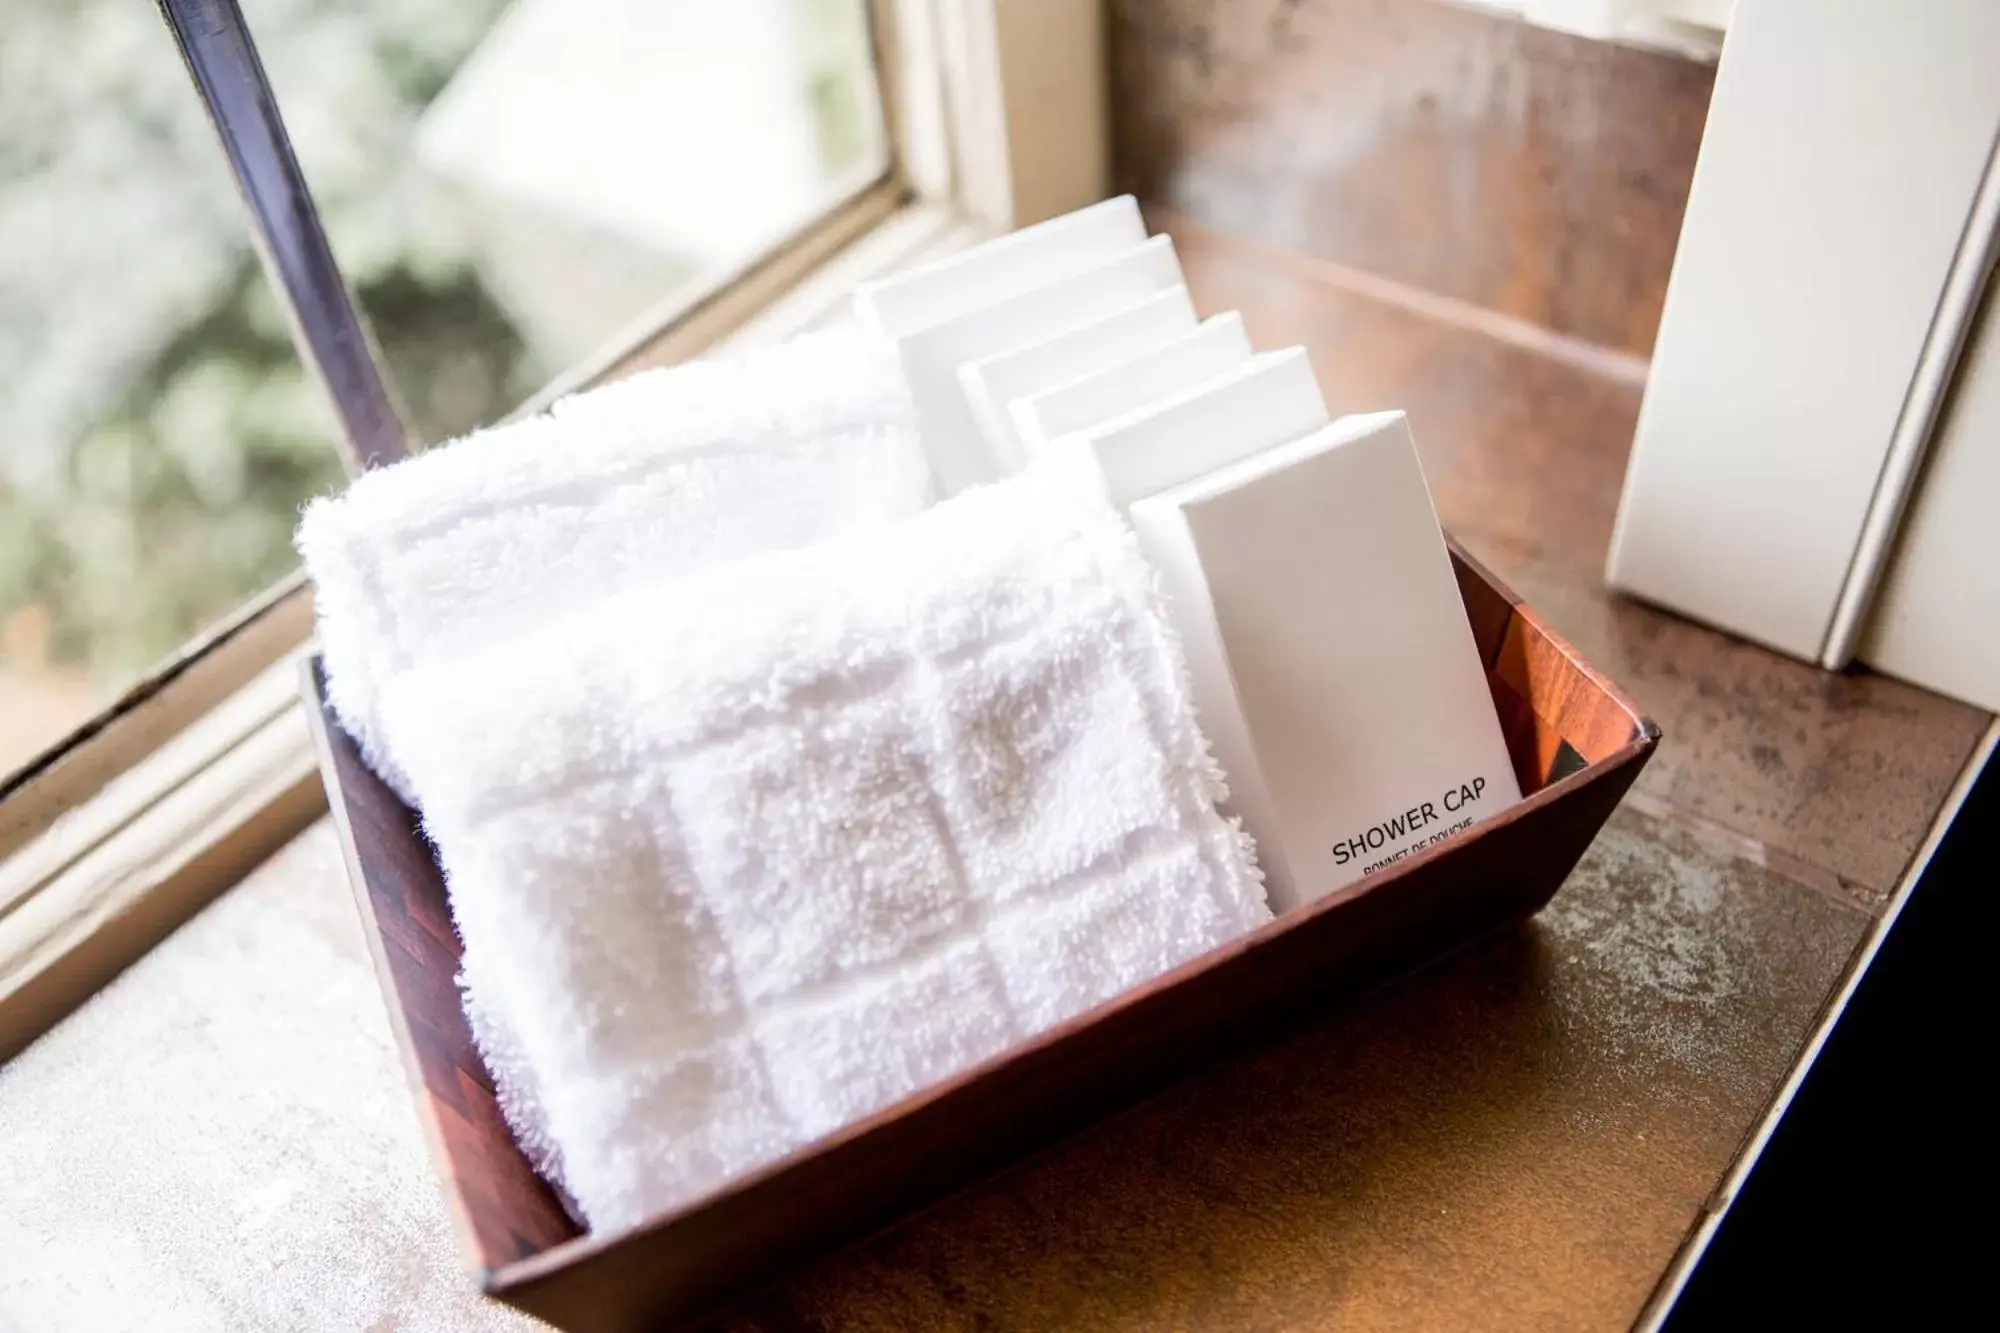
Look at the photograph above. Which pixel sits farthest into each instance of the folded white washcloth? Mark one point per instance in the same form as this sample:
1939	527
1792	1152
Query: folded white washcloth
662	474
748	855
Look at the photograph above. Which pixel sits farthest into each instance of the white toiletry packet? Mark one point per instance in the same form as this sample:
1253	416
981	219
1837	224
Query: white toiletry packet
1195	357
1216	702
1346	648
1253	405
1265	401
991	384
1002	267
932	356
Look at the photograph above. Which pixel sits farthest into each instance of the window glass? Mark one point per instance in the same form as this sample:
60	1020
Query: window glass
506	186
157	433
509	185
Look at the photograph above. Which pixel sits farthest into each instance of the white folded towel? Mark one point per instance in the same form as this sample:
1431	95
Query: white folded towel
661	474
748	855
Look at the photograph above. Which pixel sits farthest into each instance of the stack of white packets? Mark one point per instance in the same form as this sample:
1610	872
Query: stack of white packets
798	730
1307	577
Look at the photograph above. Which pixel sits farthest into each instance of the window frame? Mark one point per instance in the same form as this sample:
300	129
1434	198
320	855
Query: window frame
996	116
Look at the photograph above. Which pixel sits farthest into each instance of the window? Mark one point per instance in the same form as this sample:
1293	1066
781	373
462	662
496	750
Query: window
506	186
156	430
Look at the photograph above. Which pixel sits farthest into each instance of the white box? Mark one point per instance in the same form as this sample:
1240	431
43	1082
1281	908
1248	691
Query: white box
932	356
991	384
1005	266
1827	266
1219	345
1218	703
1265	401
1347	650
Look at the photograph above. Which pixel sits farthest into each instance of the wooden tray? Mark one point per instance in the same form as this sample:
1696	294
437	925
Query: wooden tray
1577	744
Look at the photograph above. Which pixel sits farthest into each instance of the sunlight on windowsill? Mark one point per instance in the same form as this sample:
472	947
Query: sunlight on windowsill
222	1137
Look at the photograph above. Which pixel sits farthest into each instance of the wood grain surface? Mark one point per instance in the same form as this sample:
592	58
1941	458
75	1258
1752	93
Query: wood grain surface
1527	171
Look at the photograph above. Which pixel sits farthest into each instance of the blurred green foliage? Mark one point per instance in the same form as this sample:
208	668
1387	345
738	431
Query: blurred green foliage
158	435
146	491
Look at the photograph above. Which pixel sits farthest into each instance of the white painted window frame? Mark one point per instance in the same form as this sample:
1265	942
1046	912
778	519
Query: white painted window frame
997	117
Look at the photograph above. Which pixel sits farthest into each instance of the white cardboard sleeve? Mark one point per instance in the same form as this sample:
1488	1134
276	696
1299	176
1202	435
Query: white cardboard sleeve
1265	401
1002	267
1217	700
1346	649
931	356
1213	349
1836	239
992	383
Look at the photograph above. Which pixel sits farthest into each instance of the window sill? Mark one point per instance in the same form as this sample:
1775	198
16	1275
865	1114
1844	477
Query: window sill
221	1138
112	876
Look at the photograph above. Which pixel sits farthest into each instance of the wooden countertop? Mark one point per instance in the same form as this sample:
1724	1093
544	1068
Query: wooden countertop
1524	1133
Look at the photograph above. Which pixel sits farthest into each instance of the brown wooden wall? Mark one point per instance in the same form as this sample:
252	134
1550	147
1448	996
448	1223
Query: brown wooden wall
1530	172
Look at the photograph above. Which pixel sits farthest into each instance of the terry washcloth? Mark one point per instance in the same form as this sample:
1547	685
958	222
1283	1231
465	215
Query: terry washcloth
748	855
662	474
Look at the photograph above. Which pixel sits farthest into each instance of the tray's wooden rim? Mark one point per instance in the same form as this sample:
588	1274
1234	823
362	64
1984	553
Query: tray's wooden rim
1644	728
522	1272
320	719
